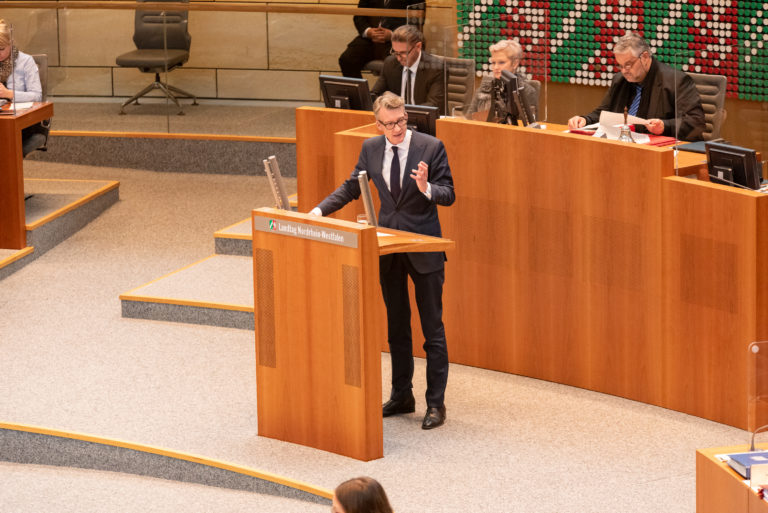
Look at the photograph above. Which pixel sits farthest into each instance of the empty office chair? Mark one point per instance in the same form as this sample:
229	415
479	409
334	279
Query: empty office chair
375	66
712	92
162	44
39	138
459	83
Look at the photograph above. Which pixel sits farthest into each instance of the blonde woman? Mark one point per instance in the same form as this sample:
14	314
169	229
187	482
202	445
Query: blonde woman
19	78
505	55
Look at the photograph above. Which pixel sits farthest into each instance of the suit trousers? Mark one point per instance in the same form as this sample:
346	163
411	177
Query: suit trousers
429	300
360	52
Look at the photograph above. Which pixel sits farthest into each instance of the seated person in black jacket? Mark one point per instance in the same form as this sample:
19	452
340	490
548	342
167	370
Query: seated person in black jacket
374	34
408	60
647	87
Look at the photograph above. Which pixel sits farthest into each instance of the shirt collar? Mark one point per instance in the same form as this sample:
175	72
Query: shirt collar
413	67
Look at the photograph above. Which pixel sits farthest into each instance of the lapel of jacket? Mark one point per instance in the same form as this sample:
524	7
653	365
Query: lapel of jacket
397	78
657	92
375	162
420	85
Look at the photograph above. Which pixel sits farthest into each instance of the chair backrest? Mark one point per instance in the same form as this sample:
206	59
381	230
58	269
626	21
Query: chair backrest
459	83
537	87
711	89
42	68
151	28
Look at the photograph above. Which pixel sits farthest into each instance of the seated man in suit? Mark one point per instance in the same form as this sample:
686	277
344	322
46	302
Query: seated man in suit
412	73
374	35
409	202
647	88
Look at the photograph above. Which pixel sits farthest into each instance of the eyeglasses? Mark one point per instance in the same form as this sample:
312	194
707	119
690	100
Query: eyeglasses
401	54
628	65
391	125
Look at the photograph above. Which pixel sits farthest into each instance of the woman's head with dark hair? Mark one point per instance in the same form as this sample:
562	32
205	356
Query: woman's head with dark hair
360	495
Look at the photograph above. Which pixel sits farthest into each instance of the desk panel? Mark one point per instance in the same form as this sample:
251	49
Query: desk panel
558	245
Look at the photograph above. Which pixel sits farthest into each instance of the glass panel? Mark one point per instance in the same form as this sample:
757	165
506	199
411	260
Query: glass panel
483	26
748	125
757	408
9	72
732	73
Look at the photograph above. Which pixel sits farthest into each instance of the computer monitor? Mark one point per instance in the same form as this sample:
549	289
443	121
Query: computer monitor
509	106
733	165
345	93
421	118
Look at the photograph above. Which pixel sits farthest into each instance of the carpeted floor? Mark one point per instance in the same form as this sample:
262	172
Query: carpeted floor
71	362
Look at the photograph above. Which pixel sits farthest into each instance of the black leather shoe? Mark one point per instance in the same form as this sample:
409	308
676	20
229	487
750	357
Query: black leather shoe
435	417
393	407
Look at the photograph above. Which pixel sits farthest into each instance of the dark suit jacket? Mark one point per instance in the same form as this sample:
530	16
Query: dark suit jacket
661	102
429	86
413	212
365	22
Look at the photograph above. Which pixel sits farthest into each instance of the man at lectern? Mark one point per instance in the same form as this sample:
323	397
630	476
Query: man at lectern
408	202
650	89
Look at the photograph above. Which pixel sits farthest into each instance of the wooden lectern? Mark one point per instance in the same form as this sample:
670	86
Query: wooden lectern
319	328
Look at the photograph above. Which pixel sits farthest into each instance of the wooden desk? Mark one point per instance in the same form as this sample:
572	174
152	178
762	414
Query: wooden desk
720	489
588	262
13	234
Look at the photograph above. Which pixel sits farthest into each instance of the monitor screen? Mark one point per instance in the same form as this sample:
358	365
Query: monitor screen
733	165
345	93
509	106
422	118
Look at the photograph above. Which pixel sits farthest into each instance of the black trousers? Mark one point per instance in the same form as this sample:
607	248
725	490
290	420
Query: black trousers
359	52
429	300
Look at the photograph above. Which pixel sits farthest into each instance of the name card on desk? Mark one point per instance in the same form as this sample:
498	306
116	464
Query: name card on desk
305	231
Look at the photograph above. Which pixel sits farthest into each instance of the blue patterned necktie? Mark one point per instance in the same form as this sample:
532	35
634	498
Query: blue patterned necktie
394	174
636	100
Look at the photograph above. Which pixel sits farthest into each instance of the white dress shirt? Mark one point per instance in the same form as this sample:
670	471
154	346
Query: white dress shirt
413	69
402	154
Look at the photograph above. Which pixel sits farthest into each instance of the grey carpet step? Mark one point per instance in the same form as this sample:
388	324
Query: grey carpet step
39	446
216	291
55	210
235	239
